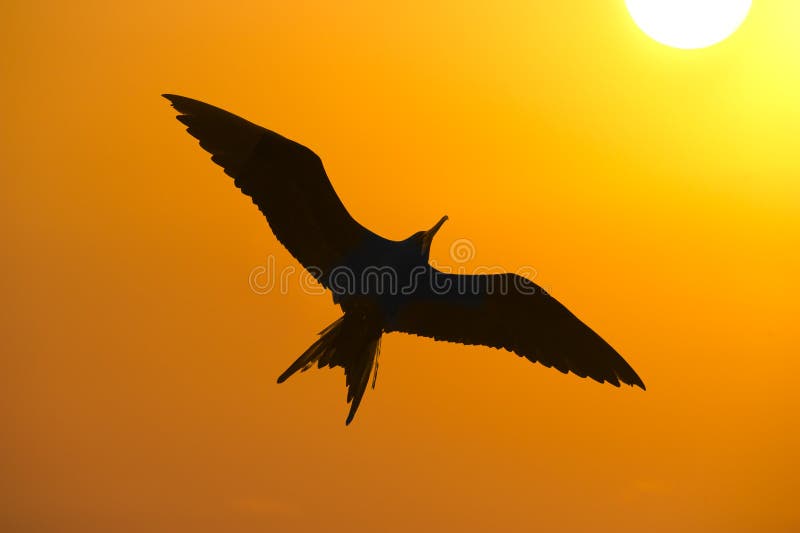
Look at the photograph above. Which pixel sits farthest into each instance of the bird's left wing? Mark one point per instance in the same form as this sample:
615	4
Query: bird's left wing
285	180
511	312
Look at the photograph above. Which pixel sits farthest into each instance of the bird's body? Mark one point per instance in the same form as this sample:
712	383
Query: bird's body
384	285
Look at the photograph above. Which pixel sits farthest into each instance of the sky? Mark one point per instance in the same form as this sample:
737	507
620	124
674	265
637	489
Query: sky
654	191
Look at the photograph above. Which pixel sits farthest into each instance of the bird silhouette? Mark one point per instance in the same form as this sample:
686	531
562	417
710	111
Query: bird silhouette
384	285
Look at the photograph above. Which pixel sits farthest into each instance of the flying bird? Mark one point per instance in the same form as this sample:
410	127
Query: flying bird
288	184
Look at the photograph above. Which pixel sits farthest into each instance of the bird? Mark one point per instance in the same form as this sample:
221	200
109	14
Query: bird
384	285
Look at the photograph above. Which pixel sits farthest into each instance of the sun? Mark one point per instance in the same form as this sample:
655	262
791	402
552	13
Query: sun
688	23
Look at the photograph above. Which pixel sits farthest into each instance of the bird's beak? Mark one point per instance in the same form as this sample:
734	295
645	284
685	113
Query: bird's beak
428	237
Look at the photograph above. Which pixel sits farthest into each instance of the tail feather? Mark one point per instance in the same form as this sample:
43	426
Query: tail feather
353	344
315	352
357	374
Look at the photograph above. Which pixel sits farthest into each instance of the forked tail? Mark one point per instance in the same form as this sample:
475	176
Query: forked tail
352	342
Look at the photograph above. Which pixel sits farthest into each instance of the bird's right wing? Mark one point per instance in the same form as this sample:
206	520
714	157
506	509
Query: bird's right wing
285	180
511	312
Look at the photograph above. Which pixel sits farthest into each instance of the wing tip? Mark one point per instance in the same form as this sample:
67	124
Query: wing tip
171	98
634	381
631	379
179	102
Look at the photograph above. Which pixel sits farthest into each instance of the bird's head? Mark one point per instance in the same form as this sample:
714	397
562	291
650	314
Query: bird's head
424	238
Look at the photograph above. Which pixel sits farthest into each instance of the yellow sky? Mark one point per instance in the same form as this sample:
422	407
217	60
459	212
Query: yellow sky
655	192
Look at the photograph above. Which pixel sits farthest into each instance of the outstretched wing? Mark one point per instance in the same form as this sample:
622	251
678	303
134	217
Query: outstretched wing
511	312
285	180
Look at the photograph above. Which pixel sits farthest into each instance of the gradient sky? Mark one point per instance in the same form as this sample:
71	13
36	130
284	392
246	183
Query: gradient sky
655	191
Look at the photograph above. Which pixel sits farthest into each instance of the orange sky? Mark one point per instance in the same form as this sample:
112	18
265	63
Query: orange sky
655	191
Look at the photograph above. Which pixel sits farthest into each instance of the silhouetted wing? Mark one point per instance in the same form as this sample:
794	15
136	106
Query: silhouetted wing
286	181
511	312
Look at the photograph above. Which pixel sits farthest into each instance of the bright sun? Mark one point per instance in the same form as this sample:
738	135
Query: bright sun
688	23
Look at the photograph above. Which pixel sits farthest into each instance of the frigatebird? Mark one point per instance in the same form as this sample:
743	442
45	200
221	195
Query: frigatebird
288	183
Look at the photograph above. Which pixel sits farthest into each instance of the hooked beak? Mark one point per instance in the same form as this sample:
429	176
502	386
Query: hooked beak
427	239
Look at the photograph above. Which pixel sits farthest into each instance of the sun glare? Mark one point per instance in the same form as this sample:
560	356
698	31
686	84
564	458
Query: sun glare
688	23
